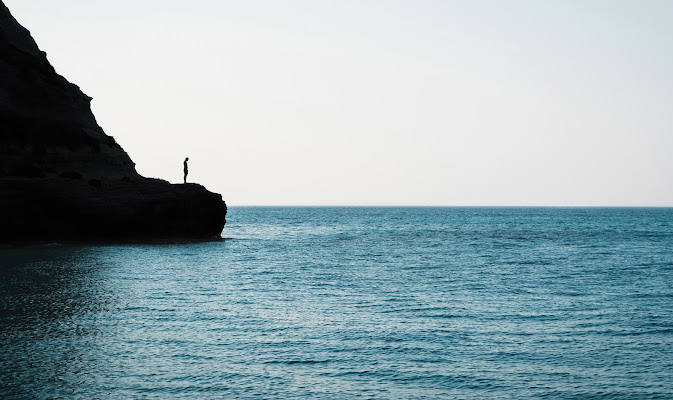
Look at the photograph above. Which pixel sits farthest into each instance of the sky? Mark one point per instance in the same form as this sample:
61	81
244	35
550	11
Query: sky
388	102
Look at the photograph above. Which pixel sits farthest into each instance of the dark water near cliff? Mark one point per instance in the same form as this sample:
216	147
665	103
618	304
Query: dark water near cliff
352	303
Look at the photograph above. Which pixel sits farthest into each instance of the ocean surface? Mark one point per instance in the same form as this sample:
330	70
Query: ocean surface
344	303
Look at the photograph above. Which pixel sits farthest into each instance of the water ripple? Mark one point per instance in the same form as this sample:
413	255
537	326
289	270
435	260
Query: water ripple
331	303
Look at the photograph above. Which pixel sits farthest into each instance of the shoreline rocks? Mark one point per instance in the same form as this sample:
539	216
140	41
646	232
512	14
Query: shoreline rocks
63	178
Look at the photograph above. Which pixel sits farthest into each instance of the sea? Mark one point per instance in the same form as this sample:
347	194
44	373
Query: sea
352	303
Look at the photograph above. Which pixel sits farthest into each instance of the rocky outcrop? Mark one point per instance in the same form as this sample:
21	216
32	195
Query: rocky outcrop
63	178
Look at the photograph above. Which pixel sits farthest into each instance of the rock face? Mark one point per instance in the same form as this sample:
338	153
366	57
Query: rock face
63	178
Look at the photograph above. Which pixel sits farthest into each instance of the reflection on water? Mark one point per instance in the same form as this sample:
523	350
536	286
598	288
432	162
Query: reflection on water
52	304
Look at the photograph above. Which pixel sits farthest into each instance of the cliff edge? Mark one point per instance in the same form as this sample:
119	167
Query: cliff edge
63	178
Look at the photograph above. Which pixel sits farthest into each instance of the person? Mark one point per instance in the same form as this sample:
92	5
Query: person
185	164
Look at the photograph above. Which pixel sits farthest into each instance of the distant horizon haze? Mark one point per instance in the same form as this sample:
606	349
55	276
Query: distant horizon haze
380	103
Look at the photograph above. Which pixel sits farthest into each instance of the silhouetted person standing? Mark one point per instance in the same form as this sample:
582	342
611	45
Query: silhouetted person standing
186	170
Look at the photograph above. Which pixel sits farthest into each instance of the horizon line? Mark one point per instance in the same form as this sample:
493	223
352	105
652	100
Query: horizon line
443	206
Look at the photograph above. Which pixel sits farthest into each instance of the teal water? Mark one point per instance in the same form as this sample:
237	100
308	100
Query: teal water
338	303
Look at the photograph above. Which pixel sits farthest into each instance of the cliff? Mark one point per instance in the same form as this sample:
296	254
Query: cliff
63	178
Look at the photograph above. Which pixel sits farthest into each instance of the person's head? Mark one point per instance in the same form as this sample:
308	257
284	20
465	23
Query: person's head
187	159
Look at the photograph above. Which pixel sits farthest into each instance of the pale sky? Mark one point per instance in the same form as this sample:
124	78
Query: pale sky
566	103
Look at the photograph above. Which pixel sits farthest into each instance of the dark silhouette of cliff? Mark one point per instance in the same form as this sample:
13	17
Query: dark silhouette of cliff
63	178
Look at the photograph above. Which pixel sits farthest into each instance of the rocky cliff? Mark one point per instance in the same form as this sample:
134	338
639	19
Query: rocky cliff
63	178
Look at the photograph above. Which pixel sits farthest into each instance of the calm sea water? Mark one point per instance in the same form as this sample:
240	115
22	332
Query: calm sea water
399	303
